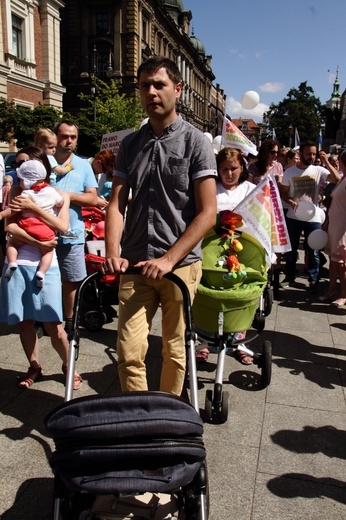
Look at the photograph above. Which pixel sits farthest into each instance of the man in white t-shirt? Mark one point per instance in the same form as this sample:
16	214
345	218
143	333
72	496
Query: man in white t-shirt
301	182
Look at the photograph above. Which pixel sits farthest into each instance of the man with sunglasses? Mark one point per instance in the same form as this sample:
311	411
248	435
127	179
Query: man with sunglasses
81	185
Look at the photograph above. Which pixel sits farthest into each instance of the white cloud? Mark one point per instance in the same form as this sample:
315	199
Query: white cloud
239	54
235	110
272	87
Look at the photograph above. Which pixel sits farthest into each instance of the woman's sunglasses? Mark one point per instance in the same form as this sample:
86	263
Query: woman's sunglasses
19	163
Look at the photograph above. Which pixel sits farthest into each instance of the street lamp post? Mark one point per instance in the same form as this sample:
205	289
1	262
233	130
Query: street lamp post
93	78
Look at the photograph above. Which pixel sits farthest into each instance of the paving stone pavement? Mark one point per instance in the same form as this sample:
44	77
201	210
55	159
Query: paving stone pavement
281	453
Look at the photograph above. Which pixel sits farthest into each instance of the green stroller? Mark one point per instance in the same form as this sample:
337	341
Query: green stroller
227	303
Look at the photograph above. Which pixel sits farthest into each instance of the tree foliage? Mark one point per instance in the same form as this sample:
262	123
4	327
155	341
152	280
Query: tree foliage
301	109
7	118
114	112
28	121
20	123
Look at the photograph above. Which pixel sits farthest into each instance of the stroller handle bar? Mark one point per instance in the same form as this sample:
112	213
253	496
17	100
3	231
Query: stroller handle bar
189	333
136	270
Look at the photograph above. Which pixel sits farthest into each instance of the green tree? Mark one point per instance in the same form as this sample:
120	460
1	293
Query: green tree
114	112
29	120
7	119
21	123
301	109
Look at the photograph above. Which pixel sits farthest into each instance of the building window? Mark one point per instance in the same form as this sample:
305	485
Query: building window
145	30
17	37
102	23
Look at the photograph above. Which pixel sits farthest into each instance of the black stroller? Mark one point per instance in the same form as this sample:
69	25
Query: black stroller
226	305
131	455
101	294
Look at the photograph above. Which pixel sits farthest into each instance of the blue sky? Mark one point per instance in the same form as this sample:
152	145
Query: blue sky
271	46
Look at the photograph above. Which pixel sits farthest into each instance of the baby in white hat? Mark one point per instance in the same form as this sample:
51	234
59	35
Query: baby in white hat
32	178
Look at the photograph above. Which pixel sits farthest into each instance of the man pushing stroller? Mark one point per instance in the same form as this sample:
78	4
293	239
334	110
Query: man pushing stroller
171	173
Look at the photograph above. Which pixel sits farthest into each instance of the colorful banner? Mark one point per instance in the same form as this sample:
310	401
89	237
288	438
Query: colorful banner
262	212
234	138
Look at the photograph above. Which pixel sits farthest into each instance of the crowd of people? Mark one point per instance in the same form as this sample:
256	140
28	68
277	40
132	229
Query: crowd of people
45	253
177	186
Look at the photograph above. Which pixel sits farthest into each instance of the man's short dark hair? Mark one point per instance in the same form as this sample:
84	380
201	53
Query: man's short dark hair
155	63
67	122
307	144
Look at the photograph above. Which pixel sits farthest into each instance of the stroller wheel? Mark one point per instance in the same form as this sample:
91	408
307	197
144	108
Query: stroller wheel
268	300
197	500
94	320
265	363
223	415
208	405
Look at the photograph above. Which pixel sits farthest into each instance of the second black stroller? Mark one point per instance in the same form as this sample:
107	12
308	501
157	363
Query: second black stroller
120	451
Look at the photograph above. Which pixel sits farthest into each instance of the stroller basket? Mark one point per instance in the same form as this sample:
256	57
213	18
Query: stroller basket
130	442
237	297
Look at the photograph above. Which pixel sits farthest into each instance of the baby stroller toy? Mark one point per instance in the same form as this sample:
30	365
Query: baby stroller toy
231	300
130	455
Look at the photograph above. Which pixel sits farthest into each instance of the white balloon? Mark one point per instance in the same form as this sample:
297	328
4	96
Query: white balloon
250	100
144	122
217	142
305	210
318	239
208	136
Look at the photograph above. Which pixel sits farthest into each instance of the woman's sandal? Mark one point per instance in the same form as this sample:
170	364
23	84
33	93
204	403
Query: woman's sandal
339	302
32	375
77	379
243	357
202	355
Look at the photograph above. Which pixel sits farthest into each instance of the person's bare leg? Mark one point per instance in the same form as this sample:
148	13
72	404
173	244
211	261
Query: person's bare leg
68	294
29	340
333	278
341	270
58	338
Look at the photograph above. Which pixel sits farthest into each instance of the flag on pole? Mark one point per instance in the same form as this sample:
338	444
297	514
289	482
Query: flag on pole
234	138
262	212
319	140
296	138
274	135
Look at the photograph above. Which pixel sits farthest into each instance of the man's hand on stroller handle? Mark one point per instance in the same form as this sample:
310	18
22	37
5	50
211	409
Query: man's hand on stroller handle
155	268
114	265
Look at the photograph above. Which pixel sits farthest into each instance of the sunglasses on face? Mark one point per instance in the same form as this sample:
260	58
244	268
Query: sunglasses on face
19	163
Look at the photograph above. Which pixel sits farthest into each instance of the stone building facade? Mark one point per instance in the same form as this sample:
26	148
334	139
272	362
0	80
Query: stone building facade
111	39
49	49
30	53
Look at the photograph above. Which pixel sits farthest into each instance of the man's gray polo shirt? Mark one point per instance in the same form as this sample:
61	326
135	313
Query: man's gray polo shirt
160	172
